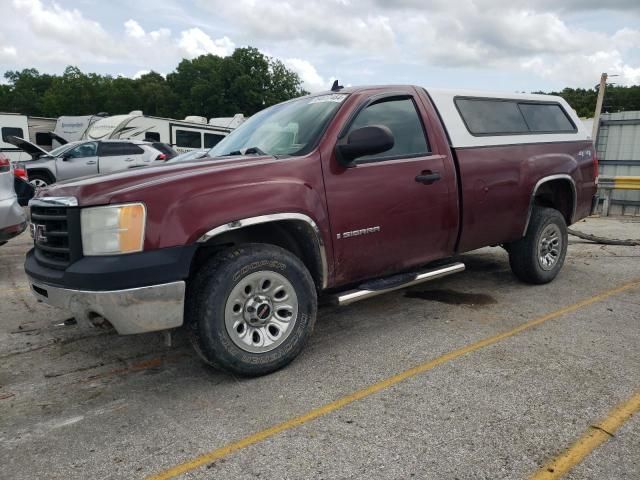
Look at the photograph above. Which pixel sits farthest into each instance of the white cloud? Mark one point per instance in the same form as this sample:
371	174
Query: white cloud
311	79
8	53
549	41
484	35
74	39
584	70
335	23
195	42
626	38
510	39
68	27
140	73
133	29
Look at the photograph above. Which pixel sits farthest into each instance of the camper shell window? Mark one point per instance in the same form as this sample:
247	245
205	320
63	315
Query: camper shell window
496	116
546	117
11	131
188	139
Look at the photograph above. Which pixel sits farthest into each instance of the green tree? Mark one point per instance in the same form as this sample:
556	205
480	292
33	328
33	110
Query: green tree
246	81
76	93
209	86
616	99
154	95
119	94
25	91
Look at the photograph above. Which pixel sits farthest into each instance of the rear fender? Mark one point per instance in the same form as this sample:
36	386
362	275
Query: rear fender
545	180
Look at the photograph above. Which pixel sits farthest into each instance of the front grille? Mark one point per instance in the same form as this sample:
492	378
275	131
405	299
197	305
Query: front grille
53	232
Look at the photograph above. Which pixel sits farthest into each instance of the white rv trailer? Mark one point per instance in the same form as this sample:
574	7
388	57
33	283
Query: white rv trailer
71	128
192	133
36	129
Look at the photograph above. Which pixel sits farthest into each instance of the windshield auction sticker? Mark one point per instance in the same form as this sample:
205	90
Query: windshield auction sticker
334	97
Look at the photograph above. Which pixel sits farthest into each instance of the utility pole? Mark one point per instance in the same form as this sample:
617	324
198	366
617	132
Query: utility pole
596	116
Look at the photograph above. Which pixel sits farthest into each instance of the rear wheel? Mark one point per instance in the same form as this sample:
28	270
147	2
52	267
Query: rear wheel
251	309
538	257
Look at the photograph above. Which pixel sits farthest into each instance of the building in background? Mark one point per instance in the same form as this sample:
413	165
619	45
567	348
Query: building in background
618	150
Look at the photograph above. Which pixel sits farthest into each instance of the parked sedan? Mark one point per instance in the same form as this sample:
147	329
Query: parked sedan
80	159
13	220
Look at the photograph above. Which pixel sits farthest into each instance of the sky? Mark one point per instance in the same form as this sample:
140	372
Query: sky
507	45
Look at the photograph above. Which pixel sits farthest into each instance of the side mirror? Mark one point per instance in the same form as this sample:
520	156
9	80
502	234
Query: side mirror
365	141
65	157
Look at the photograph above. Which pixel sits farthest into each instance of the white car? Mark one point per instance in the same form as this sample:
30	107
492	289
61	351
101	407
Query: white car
80	159
13	220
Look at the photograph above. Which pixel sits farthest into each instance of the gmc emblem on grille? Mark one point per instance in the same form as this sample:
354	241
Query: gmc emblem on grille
38	232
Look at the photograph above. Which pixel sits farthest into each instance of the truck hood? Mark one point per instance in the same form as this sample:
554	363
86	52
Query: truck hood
111	187
26	146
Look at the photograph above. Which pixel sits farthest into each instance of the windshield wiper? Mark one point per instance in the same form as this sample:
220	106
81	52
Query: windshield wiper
249	151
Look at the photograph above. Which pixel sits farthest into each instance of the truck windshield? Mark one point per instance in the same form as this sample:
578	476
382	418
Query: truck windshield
290	128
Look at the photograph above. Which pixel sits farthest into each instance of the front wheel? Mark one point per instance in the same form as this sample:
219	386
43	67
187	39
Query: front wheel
251	309
538	257
39	181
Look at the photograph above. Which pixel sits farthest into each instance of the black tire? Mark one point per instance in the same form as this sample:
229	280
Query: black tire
40	178
210	289
524	255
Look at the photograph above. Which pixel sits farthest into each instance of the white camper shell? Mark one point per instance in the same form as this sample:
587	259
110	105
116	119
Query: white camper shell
451	106
192	133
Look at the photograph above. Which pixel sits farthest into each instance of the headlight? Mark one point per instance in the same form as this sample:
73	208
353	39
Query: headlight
113	229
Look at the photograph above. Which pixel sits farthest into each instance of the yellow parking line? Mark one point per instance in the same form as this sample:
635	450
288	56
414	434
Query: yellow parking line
592	438
376	387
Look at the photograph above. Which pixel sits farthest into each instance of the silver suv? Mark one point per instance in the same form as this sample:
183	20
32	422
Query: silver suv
13	220
80	159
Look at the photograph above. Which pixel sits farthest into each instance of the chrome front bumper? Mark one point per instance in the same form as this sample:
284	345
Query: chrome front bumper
134	310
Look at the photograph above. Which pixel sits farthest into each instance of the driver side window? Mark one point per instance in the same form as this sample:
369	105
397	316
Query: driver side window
83	151
401	117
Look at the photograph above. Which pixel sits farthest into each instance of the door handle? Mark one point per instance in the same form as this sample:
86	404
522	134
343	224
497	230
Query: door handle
427	177
129	159
91	162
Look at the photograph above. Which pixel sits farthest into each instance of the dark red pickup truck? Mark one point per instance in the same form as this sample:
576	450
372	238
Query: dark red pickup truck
345	194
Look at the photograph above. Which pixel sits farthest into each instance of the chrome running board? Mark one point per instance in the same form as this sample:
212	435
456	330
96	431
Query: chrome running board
351	296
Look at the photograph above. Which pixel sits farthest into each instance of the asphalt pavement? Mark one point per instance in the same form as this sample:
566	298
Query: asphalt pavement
474	376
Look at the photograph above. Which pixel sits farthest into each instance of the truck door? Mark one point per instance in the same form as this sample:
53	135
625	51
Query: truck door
397	209
79	161
115	156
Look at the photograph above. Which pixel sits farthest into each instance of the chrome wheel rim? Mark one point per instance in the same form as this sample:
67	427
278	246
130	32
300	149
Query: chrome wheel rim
38	183
261	311
549	247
